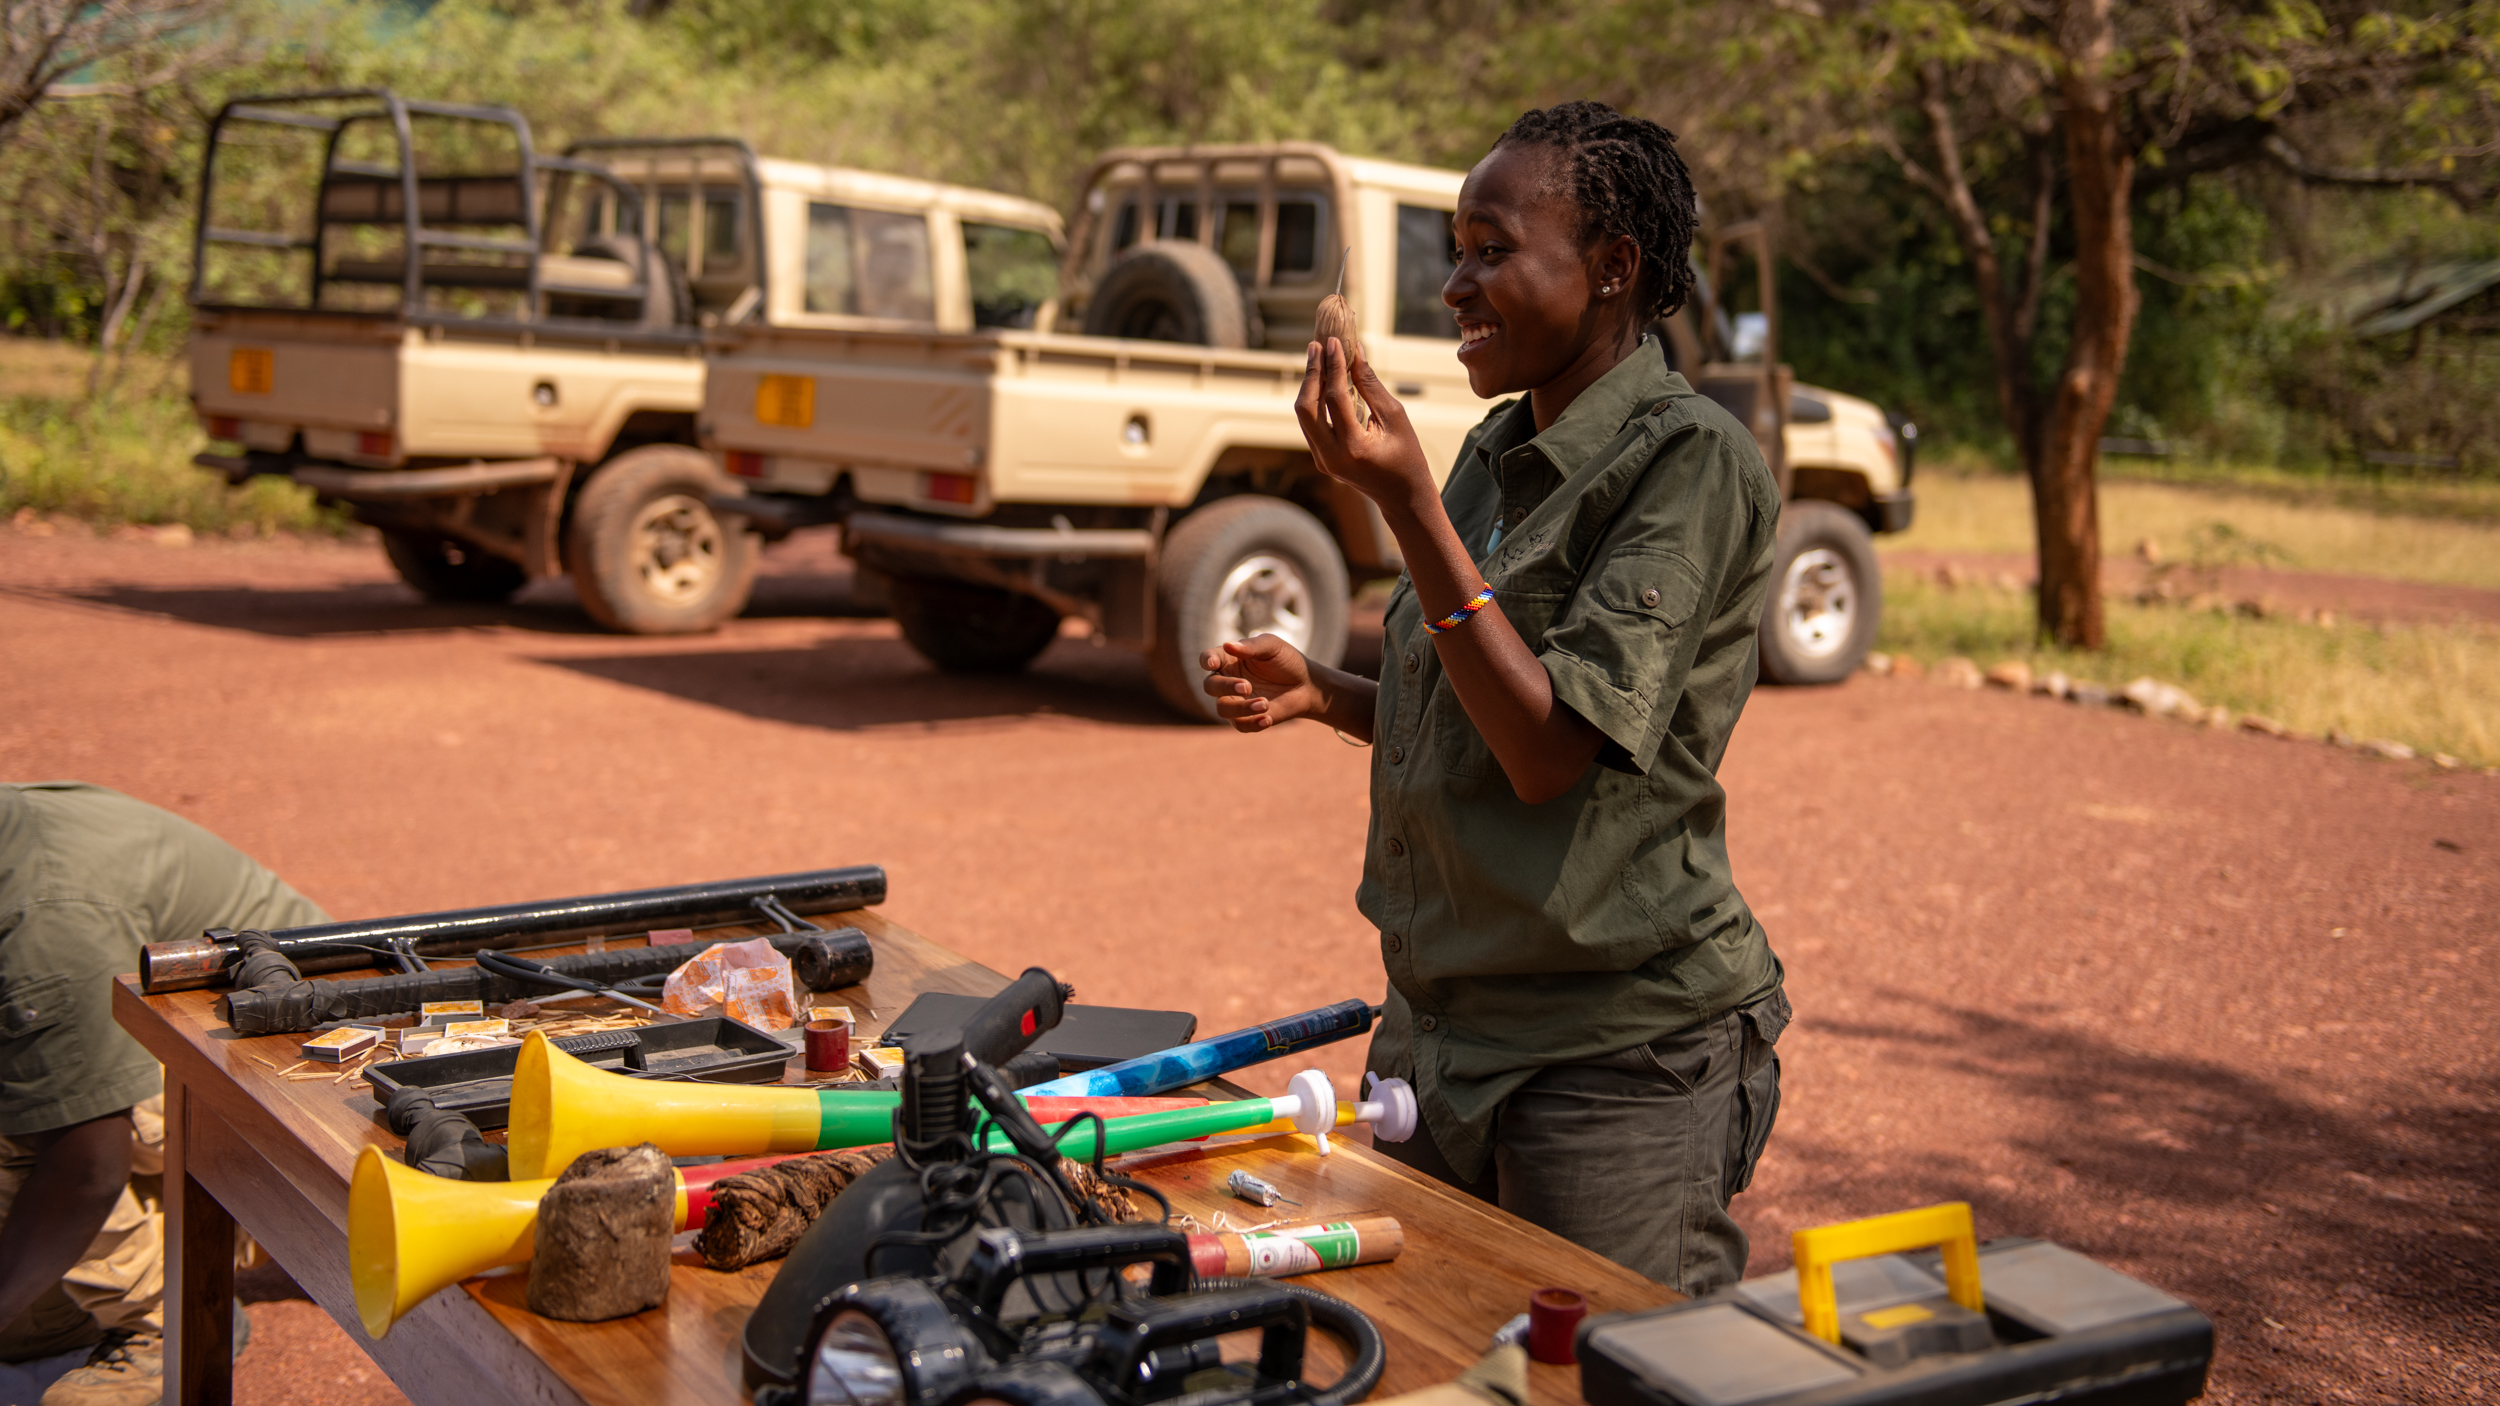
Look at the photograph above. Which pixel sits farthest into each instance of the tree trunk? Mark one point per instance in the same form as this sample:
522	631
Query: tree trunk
2100	178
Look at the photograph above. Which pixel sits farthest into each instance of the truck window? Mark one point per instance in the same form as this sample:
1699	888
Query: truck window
1237	237
1012	271
868	263
1423	266
1301	226
676	227
1124	229
720	234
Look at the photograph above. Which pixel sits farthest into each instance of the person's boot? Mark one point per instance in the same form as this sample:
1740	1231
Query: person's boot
126	1369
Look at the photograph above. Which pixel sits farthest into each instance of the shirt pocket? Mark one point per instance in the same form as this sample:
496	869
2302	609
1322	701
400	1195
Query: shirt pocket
1463	749
27	1009
1645	597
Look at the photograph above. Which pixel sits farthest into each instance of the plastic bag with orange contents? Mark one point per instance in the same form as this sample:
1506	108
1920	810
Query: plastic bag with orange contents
747	981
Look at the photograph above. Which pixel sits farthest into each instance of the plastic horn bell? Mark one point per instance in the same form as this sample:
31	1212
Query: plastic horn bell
562	1108
410	1234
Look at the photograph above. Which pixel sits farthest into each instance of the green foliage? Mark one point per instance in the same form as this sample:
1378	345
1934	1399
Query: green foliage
2423	685
1784	111
125	456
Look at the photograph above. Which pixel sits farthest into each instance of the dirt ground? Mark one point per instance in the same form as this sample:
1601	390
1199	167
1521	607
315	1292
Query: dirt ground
2215	1008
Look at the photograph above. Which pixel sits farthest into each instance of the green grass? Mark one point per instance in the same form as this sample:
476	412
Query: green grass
125	455
1960	512
2435	688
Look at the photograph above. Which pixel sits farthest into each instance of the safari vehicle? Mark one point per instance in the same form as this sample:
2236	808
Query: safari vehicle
1128	455
519	397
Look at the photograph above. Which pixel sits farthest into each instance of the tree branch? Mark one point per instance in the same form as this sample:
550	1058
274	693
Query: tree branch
2466	195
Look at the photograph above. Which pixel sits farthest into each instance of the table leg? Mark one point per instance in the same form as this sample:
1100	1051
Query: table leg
199	1273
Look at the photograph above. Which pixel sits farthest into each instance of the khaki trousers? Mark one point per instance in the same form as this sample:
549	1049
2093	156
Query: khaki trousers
121	1282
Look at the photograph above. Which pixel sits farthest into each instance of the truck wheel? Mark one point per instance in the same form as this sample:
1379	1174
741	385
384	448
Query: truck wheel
967	629
442	569
1240	567
1826	596
1170	290
648	558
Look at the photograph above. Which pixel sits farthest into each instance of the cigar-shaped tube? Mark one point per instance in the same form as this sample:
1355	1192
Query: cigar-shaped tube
1298	1249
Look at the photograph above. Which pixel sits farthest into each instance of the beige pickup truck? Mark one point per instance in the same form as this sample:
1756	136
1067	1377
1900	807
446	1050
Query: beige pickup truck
521	397
1128	455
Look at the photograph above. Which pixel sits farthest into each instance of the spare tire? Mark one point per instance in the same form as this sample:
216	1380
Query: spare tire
1170	290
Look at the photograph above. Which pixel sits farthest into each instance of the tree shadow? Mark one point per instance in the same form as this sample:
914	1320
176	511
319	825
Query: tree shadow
2221	1187
815	584
860	682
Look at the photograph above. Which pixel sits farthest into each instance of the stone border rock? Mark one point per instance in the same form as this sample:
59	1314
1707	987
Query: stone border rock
2146	695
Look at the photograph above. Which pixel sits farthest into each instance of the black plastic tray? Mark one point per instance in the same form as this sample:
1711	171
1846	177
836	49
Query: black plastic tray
478	1083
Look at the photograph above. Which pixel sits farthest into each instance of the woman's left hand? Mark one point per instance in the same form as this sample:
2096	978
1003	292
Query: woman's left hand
1378	454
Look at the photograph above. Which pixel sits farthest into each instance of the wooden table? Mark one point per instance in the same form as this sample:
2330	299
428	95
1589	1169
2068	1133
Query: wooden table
245	1148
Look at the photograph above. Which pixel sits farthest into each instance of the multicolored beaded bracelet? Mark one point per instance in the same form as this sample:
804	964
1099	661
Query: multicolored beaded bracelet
1463	614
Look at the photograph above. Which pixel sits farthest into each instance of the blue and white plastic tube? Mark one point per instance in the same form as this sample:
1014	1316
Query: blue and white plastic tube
1183	1065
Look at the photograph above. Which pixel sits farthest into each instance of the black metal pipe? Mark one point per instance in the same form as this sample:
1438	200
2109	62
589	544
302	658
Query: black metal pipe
206	960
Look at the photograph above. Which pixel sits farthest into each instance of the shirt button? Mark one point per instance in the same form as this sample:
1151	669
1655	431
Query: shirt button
1410	663
1429	1024
1397	847
1390	941
1650	596
1396	755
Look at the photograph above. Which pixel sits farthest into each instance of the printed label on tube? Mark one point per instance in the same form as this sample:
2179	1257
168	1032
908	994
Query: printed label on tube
1274	1254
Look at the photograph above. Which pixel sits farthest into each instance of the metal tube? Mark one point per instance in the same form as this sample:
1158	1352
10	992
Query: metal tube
204	960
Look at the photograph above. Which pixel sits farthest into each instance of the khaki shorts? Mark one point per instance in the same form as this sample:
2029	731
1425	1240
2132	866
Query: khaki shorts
121	1282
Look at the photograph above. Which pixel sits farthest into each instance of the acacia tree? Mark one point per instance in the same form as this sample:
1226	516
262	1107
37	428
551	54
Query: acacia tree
2011	112
45	42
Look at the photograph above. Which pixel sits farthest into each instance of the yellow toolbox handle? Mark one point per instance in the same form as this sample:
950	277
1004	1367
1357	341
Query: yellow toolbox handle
1823	1246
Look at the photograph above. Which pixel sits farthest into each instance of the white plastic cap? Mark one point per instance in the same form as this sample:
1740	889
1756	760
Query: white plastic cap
1316	1110
1389	1106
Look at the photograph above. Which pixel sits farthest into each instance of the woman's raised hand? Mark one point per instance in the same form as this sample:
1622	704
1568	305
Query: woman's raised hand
1378	453
1259	682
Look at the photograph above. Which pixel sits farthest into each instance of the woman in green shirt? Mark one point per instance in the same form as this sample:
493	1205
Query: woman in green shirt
1579	994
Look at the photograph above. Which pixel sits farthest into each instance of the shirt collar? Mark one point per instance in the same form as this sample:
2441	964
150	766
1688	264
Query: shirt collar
1587	425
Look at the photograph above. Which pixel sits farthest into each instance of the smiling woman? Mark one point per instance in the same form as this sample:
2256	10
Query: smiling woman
1577	990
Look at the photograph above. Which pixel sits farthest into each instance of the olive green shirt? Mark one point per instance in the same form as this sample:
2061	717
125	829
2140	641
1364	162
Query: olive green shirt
1635	548
87	877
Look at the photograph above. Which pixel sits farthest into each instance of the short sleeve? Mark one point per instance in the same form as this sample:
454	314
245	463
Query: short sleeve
63	1060
1620	650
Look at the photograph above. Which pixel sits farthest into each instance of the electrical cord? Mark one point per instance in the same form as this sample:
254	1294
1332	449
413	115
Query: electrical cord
1370	1356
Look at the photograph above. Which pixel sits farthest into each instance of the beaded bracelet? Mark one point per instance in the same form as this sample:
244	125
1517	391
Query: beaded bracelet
1482	598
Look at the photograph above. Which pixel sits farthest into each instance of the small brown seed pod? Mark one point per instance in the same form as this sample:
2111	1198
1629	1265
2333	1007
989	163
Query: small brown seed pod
1335	317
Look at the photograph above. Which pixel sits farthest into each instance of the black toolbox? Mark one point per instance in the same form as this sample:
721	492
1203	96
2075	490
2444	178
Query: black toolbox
2058	1327
478	1083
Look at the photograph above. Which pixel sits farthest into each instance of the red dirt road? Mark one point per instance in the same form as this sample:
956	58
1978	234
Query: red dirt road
2215	1008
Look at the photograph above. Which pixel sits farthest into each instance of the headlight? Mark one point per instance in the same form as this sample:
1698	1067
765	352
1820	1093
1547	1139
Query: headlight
888	1342
854	1365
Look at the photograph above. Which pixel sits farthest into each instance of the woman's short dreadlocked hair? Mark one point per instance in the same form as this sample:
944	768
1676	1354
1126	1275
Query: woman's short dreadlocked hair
1625	176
